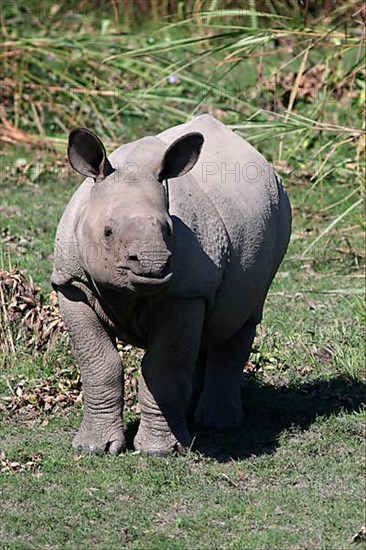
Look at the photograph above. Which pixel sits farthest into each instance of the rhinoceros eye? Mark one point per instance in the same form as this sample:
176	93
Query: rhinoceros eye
108	232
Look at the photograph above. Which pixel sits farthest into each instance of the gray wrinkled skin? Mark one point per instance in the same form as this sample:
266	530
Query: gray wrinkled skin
184	276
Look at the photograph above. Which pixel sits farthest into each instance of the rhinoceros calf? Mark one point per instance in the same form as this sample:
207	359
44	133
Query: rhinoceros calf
170	244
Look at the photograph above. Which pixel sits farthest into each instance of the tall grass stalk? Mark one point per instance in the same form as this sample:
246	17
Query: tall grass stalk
230	62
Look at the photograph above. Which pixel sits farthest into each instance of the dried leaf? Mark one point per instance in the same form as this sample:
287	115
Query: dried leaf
37	324
360	536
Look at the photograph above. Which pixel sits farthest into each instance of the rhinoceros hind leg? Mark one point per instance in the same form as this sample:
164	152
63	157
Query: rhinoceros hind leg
219	407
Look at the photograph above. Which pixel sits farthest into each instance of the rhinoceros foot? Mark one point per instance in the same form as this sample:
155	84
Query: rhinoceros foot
225	418
161	444
100	439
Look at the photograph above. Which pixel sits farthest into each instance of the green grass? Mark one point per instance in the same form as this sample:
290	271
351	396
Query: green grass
306	491
292	478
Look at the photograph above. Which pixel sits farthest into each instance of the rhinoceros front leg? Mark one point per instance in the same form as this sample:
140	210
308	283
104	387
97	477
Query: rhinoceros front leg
101	373
166	382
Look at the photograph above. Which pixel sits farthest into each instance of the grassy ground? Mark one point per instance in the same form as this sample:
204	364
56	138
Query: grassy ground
293	476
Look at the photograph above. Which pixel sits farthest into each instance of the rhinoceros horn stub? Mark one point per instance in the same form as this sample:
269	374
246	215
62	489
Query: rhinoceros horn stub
86	154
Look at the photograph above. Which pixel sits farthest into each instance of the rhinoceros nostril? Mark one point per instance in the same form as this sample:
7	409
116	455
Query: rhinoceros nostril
108	231
133	258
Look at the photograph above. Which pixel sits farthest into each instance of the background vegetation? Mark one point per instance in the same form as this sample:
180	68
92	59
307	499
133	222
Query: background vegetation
289	77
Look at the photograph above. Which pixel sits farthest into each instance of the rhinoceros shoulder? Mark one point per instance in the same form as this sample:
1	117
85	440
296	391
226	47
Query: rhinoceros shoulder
67	265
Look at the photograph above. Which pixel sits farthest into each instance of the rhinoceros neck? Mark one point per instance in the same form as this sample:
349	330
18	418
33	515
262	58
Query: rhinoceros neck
128	312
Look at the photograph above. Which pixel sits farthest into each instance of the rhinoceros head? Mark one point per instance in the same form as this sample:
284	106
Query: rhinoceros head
124	230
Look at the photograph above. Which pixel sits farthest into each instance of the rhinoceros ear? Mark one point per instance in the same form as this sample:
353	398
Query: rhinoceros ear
181	156
87	155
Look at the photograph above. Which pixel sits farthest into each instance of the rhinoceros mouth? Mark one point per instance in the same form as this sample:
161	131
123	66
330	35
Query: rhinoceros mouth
136	280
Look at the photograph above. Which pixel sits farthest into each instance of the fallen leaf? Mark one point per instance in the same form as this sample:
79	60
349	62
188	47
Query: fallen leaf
360	536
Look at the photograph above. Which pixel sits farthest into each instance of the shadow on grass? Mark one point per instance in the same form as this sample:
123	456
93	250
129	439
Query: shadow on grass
270	410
